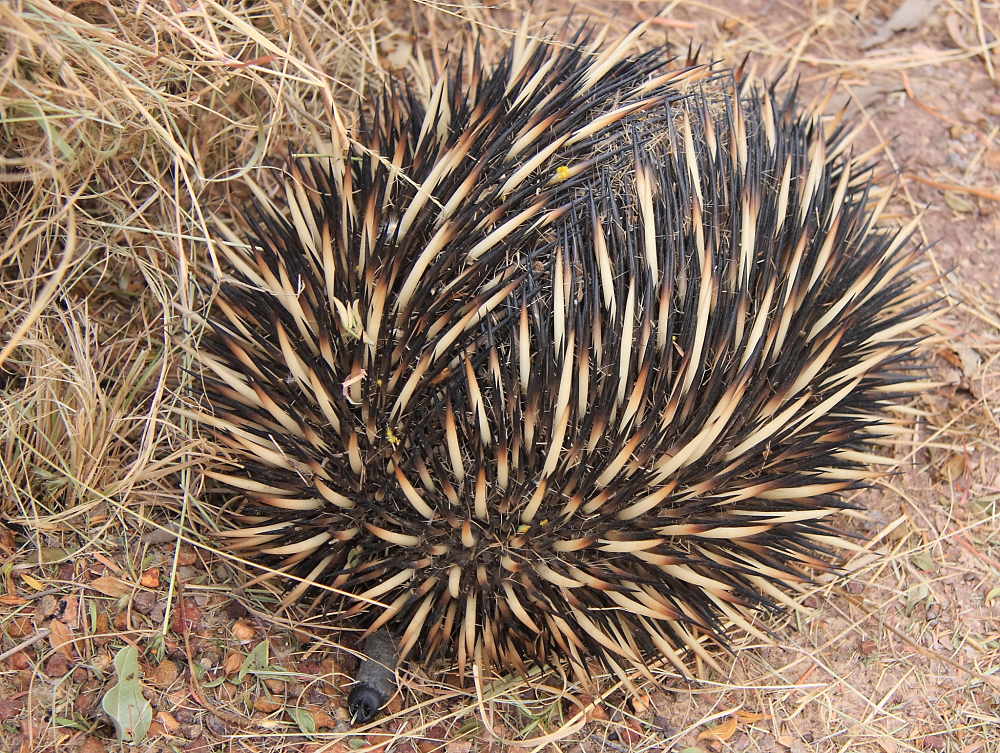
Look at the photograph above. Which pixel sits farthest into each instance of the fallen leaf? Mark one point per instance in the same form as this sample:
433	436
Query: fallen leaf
186	617
322	719
266	705
232	663
18	660
243	631
6	540
304	719
167	721
150	578
909	15
33	582
630	733
61	638
57	666
18	627
721	732
749	717
10	707
102	628
92	745
640	703
256	660
110	586
125	703
958	202
164	673
924	561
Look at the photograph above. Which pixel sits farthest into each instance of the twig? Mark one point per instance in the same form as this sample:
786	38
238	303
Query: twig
40	635
974	190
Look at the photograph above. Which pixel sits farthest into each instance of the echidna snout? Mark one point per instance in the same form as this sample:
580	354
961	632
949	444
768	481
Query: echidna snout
574	358
375	679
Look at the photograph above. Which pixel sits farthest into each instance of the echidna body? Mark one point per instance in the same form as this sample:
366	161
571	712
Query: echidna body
574	359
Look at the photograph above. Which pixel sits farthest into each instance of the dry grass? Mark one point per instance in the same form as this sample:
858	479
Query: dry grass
127	129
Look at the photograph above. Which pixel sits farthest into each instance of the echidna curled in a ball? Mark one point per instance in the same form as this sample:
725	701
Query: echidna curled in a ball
573	360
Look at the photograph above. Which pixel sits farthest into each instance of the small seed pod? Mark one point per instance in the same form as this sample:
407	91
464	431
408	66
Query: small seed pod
376	678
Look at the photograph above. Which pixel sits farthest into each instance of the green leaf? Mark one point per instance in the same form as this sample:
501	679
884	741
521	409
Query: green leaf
993	595
914	596
124	703
303	718
256	660
924	561
61	721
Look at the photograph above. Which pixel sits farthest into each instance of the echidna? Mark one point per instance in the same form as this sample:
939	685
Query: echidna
574	360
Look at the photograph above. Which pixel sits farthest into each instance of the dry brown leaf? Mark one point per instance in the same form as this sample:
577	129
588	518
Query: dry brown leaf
7	544
110	586
187	617
243	631
18	627
33	582
150	578
721	732
70	613
92	745
57	665
232	663
61	638
18	660
323	719
598	713
266	705
102	628
163	674
640	703
749	717
630	733
167	721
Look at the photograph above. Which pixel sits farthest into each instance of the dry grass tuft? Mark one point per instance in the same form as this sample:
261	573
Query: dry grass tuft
127	129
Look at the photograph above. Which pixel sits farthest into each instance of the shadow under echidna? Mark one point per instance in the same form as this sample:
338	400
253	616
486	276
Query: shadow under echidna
573	361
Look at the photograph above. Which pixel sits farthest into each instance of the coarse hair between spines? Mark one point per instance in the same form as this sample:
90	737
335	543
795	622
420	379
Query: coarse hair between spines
575	360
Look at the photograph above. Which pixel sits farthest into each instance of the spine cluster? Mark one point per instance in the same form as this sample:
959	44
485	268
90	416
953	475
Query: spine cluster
576	358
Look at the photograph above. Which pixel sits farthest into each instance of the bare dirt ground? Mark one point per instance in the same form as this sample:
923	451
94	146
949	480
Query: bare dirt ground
126	128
